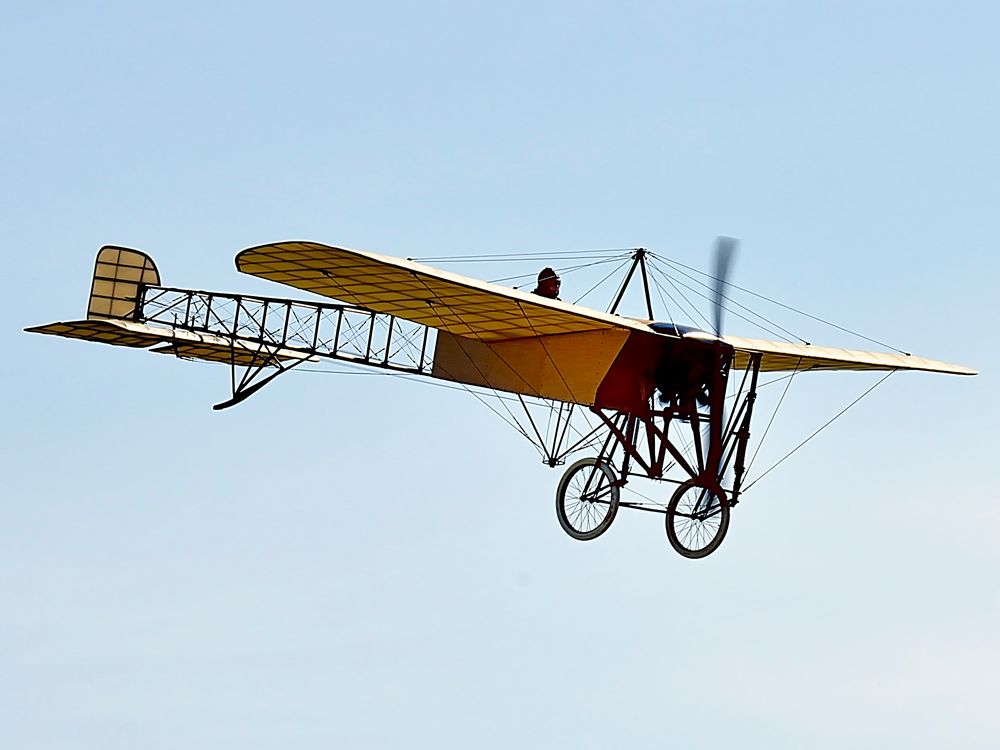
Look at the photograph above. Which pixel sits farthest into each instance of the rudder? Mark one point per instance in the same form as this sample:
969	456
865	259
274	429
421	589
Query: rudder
119	272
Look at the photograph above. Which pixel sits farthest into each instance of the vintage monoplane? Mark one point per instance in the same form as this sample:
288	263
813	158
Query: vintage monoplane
662	401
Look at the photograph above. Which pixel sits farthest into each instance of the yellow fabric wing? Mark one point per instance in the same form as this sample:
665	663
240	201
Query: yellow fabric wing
777	356
422	294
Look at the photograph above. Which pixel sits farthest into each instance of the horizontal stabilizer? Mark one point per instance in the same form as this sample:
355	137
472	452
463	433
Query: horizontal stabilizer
179	342
104	331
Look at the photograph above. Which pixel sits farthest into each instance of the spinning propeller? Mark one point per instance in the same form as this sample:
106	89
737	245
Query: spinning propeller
725	250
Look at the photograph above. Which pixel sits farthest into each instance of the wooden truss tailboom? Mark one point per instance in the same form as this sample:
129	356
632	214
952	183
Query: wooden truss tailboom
280	334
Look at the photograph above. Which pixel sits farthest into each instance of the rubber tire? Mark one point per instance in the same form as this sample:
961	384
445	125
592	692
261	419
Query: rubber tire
676	543
564	483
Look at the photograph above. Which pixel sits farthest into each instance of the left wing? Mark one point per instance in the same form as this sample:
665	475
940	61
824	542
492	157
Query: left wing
447	301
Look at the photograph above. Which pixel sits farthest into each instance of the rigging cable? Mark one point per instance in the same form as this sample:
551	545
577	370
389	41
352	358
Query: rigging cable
735	303
792	309
562	269
523	257
482	375
773	415
613	272
733	312
415	379
836	416
691	307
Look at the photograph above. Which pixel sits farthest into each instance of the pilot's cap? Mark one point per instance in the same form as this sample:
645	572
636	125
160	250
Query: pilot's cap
547	273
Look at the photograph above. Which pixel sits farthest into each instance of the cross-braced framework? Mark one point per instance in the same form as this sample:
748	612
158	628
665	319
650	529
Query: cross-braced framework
277	328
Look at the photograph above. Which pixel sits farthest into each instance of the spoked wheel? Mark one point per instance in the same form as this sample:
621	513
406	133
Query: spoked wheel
697	520
587	499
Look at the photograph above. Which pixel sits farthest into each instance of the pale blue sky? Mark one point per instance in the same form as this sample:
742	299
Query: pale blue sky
369	562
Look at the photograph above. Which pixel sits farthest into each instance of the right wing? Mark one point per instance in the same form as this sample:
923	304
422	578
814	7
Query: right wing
777	356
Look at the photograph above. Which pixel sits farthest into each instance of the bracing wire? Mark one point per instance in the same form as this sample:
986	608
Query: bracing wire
513	419
771	325
599	283
787	307
523	257
691	307
564	270
708	298
659	292
510	421
773	415
817	432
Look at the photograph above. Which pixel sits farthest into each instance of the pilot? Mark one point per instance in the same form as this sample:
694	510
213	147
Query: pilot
548	284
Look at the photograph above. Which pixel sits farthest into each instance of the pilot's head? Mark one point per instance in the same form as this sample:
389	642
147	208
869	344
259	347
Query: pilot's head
548	283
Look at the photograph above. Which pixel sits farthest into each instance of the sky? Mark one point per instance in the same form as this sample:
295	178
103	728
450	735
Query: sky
373	562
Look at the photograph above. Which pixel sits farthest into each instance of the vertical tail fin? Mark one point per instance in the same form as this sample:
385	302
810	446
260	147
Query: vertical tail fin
118	274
